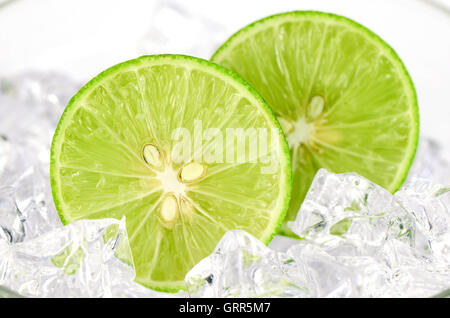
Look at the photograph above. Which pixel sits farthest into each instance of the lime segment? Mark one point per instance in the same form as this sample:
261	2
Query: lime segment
113	156
343	97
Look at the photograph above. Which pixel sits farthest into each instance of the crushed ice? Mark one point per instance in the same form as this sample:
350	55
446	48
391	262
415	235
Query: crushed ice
358	241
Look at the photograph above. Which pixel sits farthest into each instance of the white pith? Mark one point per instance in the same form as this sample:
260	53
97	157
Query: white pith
300	133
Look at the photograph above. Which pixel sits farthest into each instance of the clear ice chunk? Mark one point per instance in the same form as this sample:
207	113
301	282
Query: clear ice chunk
327	277
281	243
359	240
429	205
11	223
88	258
30	105
26	206
397	245
242	266
347	206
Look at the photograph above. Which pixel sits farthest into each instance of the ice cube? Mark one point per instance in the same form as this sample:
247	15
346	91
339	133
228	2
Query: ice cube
327	277
242	266
26	206
11	222
396	245
346	206
65	256
89	258
30	104
359	240
282	243
429	205
34	200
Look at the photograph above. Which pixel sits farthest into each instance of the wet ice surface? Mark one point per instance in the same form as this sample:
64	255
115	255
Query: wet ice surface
77	260
88	258
242	266
360	241
29	107
399	243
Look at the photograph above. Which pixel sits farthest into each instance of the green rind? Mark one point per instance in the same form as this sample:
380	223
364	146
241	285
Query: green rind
412	147
285	159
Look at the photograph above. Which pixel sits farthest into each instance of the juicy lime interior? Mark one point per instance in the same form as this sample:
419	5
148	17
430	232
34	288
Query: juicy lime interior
112	156
342	95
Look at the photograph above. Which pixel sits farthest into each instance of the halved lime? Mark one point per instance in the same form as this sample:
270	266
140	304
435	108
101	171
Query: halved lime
113	155
342	95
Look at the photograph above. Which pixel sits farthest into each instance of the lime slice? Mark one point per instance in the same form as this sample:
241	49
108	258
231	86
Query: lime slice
113	155
343	97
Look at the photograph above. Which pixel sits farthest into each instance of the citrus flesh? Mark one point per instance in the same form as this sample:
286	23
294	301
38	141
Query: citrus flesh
342	95
112	156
